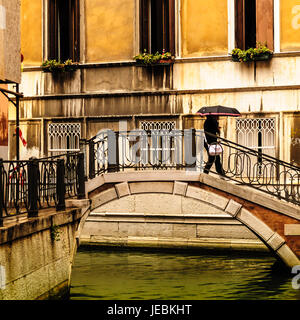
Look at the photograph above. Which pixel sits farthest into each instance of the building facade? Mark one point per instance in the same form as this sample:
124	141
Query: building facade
108	86
10	65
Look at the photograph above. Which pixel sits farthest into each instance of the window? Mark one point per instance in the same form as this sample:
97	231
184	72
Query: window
64	137
159	147
158	125
157	25
254	22
63	30
257	134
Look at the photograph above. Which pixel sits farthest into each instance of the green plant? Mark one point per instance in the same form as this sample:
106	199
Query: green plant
55	233
58	66
252	53
150	59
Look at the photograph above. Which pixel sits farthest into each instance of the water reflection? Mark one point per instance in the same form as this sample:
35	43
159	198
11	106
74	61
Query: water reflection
127	275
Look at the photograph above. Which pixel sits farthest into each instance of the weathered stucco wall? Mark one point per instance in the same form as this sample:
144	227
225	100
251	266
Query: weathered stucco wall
31	32
109	30
290	25
10	61
204	28
35	262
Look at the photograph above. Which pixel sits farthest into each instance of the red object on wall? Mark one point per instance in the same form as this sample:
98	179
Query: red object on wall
21	137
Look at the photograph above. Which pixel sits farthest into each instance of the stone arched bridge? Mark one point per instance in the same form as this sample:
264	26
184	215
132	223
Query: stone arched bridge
275	222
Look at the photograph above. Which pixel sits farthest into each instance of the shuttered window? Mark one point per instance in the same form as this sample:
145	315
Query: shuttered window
254	20
157	25
63	30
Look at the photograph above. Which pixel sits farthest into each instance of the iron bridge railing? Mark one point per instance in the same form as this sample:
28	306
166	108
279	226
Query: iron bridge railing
27	186
112	151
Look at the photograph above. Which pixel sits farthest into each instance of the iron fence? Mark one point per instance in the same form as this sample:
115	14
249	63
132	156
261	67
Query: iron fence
30	185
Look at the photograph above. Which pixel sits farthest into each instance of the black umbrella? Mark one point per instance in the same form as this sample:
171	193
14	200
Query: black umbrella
219	111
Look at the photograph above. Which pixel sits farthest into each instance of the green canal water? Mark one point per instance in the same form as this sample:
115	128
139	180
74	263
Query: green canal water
102	274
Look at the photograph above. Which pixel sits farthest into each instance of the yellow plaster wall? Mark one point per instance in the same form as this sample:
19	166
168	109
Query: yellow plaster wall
290	25
204	27
31	31
109	30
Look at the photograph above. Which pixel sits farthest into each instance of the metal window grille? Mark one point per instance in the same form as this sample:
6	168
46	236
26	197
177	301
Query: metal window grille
159	146
64	137
257	134
158	125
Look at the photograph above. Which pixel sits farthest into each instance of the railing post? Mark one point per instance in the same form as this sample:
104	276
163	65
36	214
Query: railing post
80	177
33	178
60	185
91	159
1	193
113	151
190	147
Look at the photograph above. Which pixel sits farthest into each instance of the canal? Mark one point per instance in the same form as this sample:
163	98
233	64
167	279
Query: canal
106	274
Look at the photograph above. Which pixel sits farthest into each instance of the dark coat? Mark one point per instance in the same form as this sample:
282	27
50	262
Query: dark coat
211	125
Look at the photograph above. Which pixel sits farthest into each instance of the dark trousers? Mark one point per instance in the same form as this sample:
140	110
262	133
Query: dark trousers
211	160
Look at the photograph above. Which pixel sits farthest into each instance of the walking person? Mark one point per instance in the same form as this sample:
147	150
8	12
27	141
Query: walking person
211	125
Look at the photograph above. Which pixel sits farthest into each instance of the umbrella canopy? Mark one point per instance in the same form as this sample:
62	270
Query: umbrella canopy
219	111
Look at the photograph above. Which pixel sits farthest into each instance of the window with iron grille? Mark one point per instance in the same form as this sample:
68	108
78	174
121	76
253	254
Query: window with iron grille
160	146
64	137
157	125
257	134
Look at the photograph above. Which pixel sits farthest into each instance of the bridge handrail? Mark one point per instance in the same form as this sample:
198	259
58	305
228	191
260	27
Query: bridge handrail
261	154
26	186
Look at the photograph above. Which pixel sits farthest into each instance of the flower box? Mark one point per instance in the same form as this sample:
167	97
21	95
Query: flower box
235	58
263	57
259	53
154	60
160	63
53	66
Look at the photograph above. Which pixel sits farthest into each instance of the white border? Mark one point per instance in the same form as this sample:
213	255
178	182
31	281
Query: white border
276	26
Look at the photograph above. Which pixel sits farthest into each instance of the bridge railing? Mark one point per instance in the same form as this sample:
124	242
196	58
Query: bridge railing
261	171
27	186
113	151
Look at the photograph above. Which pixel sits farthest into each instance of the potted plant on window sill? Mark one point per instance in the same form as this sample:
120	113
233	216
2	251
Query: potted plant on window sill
158	59
54	66
259	53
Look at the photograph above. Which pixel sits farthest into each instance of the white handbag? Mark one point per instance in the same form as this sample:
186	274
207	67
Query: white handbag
215	149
